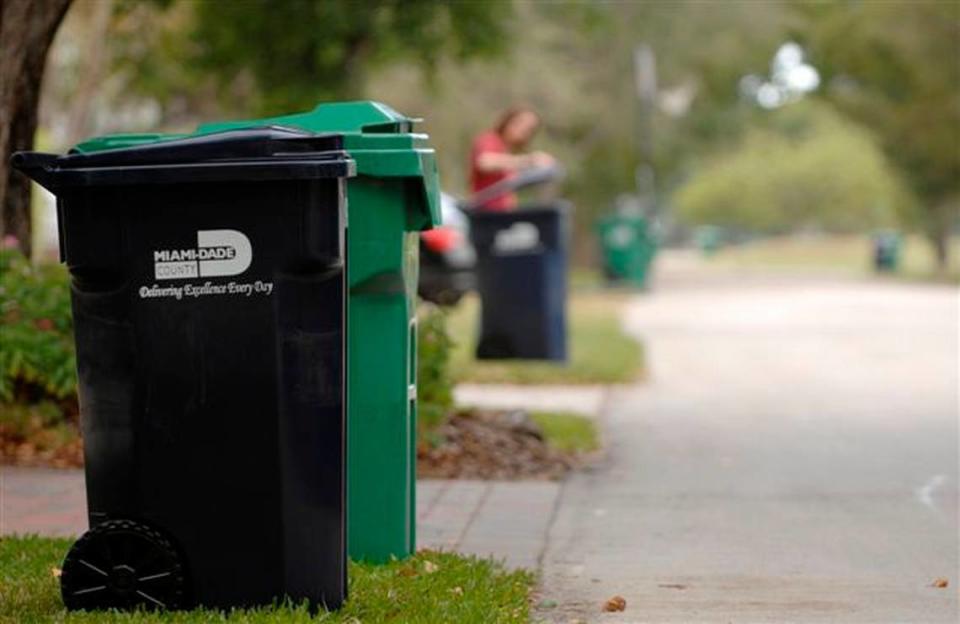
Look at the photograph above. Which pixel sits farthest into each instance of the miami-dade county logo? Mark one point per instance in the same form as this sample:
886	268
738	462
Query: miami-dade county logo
218	253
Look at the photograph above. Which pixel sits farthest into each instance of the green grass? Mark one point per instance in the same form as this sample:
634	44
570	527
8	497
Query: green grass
600	351
570	433
461	589
840	254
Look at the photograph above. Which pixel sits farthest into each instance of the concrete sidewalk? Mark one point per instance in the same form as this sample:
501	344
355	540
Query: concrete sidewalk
44	501
586	400
504	520
792	458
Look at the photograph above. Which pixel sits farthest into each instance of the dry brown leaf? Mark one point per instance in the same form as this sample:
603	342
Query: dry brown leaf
941	583
615	603
430	567
56	572
457	591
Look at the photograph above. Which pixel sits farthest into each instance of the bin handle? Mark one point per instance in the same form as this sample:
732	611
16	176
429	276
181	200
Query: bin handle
523	179
38	166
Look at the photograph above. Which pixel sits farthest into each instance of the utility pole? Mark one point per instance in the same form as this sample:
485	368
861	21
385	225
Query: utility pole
645	81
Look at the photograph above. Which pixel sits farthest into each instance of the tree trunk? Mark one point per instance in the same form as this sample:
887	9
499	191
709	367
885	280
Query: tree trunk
938	233
27	28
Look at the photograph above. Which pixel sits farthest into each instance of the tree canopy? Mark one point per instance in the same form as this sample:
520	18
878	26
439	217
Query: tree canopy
894	67
888	67
806	168
298	52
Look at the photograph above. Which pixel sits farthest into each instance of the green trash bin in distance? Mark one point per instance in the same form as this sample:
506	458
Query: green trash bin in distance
886	250
394	196
709	238
628	248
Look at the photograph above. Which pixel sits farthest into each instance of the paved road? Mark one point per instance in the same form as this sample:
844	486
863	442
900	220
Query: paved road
793	458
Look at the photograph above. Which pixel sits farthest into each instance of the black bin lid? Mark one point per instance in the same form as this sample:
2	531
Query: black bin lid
252	154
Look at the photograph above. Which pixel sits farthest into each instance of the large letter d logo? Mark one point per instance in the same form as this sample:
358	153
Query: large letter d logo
223	252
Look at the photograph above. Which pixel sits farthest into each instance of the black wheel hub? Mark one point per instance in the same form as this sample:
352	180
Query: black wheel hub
122	564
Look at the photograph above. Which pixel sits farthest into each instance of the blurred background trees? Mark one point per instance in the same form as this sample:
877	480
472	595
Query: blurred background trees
763	116
26	32
895	67
802	167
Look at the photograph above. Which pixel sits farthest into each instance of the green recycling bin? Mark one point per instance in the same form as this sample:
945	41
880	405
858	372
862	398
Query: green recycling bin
628	247
886	251
709	238
394	196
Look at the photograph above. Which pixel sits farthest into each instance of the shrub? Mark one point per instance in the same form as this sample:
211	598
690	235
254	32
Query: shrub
810	168
434	385
37	359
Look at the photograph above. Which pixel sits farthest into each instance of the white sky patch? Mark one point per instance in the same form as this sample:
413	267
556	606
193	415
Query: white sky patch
791	77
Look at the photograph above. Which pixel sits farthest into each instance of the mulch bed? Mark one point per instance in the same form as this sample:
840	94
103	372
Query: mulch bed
37	451
472	444
27	437
491	446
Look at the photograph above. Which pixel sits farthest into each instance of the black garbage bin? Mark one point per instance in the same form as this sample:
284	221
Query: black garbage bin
522	282
208	302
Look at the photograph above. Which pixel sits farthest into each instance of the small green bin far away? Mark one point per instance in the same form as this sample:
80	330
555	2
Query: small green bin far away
628	248
393	197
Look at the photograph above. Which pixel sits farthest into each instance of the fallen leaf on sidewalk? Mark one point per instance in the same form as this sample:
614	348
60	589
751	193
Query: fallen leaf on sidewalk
672	585
616	603
940	583
56	572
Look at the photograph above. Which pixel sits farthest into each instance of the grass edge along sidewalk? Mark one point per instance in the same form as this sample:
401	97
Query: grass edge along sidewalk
430	587
600	351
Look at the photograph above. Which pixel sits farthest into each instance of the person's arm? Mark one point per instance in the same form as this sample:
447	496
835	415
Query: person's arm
489	162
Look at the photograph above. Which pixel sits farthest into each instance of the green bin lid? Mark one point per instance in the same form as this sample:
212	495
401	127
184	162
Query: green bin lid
378	138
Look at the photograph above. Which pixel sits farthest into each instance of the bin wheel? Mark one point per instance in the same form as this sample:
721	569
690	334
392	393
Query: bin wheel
122	564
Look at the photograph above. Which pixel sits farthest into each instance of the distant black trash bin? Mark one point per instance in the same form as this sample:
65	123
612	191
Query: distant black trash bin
522	282
208	303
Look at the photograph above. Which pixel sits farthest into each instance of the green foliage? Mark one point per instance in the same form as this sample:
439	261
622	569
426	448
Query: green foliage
22	420
571	433
452	588
290	55
893	66
434	384
804	167
37	359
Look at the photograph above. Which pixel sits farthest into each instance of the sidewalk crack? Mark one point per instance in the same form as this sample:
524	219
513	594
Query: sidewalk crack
476	512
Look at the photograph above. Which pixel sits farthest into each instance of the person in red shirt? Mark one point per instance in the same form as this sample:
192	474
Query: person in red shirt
497	154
